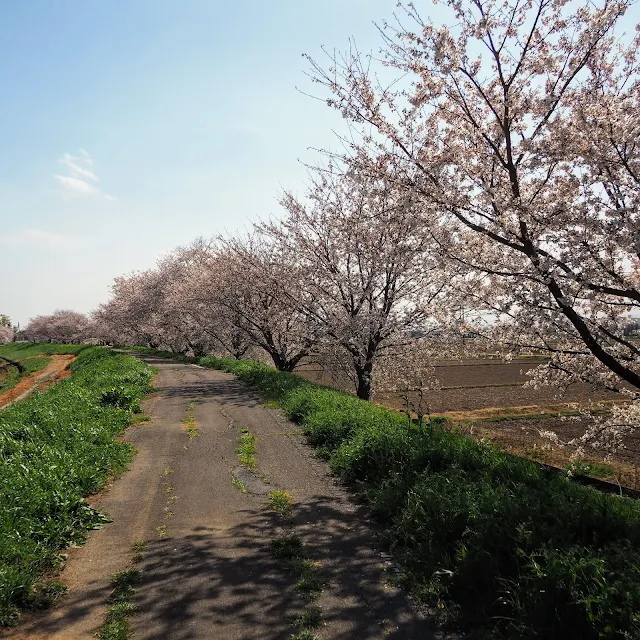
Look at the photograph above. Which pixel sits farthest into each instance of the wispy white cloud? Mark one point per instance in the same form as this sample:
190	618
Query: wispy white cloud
77	186
81	180
79	165
39	238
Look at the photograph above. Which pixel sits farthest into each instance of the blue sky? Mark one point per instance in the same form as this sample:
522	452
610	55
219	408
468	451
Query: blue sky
132	126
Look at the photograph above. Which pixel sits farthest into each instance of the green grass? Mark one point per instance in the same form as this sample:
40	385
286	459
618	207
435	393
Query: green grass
9	377
310	618
116	625
56	448
33	358
239	485
498	544
190	423
286	548
290	550
139	547
305	634
247	449
21	350
281	501
31	365
589	468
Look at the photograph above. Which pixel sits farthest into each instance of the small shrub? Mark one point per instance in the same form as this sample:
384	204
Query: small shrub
281	501
120	399
310	618
288	547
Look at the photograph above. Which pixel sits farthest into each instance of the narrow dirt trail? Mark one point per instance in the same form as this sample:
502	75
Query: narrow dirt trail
55	370
208	570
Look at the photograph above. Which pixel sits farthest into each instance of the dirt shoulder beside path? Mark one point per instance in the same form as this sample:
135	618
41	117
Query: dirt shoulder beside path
55	370
208	569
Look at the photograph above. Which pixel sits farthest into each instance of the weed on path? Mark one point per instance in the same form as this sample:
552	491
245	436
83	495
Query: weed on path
247	449
281	502
121	606
290	550
189	423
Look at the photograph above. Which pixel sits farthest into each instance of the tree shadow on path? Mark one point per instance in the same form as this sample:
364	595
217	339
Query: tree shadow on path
227	583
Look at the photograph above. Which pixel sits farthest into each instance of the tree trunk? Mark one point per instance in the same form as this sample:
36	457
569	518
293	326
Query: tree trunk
282	364
278	362
238	347
364	385
285	364
13	363
198	350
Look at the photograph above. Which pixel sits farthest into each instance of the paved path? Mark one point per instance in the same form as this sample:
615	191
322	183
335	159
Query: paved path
208	571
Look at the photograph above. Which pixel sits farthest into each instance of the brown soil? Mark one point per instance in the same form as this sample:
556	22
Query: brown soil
40	380
522	437
486	398
479	385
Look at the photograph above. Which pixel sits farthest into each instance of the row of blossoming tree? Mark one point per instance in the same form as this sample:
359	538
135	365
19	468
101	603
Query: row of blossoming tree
517	128
347	274
493	175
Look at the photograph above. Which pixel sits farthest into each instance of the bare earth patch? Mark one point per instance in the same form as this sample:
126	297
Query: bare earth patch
41	380
487	399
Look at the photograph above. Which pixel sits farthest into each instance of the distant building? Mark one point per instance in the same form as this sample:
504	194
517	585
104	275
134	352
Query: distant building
632	328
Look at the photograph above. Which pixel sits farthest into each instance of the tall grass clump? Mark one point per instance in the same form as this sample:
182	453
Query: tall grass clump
501	545
56	448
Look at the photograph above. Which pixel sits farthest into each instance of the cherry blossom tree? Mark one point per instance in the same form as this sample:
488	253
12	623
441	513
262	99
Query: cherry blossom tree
409	373
200	296
63	325
174	306
187	325
517	126
132	314
152	308
253	281
370	277
6	334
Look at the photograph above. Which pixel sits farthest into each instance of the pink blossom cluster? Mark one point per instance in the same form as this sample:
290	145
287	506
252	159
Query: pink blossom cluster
517	128
63	325
6	334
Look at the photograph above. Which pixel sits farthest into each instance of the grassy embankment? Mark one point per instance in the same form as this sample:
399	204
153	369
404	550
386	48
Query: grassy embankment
56	448
498	543
32	358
